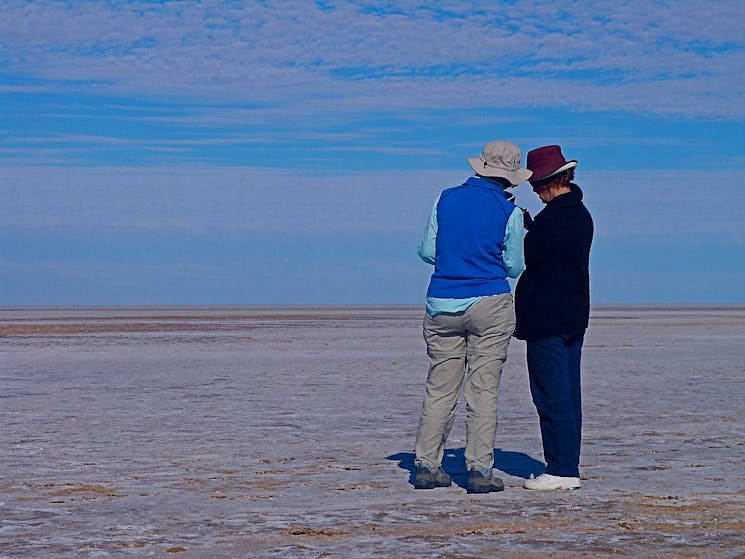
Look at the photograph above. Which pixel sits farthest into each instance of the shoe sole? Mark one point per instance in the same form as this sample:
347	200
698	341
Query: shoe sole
547	482
481	490
432	484
485	488
559	488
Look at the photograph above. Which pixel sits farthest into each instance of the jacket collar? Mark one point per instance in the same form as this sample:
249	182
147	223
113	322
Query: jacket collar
485	183
570	199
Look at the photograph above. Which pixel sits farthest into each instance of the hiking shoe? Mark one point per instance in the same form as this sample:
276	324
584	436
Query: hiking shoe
547	482
480	482
429	479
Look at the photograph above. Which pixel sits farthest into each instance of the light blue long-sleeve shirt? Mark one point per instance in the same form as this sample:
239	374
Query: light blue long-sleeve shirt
512	255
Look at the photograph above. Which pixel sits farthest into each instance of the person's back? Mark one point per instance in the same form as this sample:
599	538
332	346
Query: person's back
557	251
472	220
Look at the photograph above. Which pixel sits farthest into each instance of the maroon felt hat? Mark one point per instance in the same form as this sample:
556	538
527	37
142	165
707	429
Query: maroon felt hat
546	162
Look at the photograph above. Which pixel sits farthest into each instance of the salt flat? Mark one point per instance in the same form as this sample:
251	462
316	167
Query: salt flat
288	432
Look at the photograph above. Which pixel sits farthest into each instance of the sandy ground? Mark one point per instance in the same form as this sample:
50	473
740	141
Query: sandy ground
288	432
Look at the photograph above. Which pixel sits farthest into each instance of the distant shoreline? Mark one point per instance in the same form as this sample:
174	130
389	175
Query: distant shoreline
372	306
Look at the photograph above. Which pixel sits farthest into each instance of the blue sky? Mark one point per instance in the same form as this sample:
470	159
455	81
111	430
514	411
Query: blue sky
289	152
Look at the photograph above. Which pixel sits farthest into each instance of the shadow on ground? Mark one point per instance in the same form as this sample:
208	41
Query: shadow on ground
516	464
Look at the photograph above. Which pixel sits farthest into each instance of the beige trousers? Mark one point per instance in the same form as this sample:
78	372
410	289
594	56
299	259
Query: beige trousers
467	351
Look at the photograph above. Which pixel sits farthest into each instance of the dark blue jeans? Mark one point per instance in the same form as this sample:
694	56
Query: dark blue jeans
553	367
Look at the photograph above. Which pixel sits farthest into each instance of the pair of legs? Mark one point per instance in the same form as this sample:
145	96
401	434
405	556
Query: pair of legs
554	370
467	351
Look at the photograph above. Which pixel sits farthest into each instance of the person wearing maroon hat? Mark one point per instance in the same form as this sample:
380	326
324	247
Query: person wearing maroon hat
552	306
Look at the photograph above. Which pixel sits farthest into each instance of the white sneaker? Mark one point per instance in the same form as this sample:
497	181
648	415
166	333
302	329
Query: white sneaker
547	482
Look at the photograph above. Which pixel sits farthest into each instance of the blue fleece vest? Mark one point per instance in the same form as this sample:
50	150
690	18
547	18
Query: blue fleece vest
471	223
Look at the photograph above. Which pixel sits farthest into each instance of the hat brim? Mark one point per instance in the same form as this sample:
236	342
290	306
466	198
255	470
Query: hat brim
568	165
515	177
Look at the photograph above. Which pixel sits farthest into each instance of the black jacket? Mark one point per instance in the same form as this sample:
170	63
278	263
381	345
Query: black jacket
552	296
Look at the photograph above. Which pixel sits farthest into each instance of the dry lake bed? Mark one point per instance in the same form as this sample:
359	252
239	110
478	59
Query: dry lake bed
288	432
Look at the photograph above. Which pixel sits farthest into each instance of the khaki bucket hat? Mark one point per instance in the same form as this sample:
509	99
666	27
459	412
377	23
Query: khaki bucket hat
500	159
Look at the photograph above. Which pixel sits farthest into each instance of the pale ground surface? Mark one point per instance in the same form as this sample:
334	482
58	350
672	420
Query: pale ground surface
288	432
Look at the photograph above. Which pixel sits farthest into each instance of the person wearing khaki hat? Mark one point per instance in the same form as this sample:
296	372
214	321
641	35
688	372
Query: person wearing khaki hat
474	239
552	304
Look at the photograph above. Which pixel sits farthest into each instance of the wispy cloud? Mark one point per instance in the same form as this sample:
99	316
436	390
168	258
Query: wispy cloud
660	57
138	142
